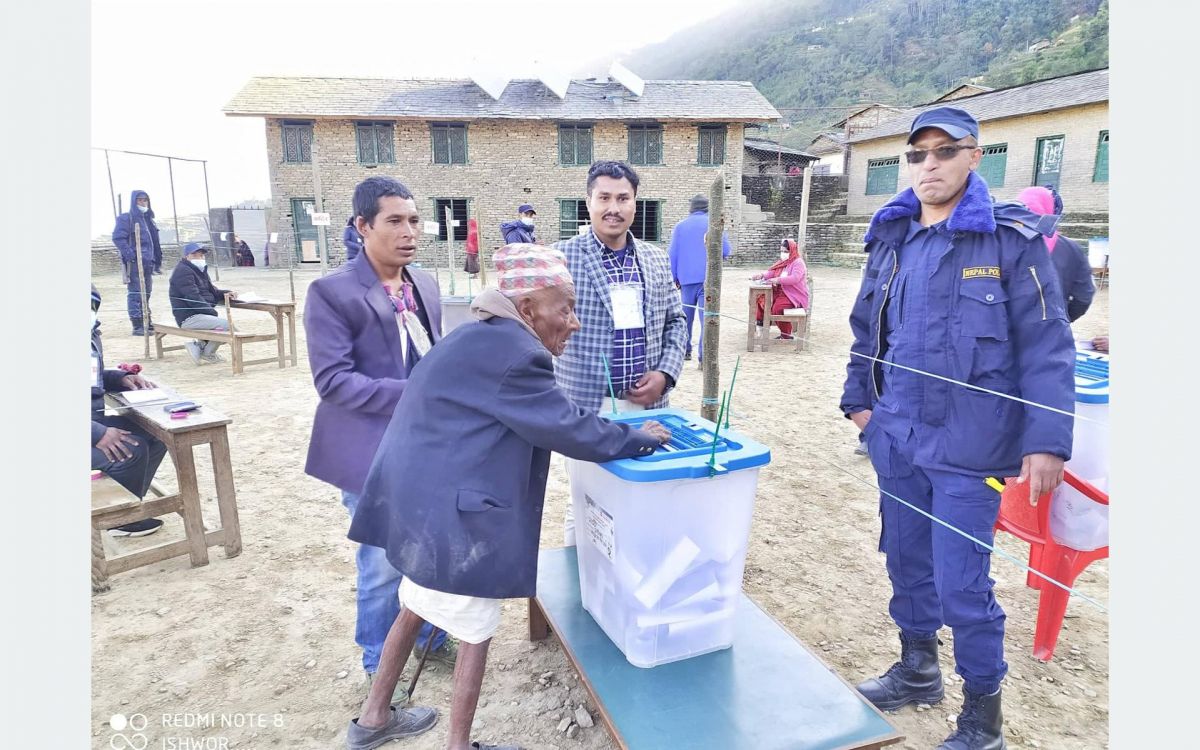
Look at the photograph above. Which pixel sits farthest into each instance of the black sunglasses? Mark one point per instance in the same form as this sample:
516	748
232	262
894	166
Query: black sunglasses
941	153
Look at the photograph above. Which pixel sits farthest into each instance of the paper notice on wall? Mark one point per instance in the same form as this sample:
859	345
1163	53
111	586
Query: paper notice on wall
274	237
601	529
432	227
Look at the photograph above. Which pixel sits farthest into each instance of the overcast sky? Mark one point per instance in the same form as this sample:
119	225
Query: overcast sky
161	71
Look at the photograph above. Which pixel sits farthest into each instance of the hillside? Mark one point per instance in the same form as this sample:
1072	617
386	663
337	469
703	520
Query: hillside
818	60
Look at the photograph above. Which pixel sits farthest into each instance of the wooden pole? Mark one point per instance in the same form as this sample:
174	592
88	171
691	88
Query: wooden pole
450	246
802	230
318	207
710	329
483	262
137	249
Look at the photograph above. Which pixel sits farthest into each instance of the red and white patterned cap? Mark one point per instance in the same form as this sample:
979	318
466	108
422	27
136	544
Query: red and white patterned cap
522	268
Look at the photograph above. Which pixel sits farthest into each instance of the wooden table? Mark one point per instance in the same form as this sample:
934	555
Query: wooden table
766	692
753	339
278	311
202	426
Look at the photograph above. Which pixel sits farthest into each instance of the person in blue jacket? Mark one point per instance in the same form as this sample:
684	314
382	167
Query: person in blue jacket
962	289
352	240
139	214
520	229
689	264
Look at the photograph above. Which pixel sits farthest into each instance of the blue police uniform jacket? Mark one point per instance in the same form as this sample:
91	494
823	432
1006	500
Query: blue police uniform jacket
995	319
456	488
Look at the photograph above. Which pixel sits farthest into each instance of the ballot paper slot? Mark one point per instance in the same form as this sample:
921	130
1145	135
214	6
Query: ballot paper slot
688	438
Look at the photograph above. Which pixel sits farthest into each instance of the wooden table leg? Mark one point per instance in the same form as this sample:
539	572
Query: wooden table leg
750	321
279	339
768	305
291	316
99	563
226	496
189	493
539	627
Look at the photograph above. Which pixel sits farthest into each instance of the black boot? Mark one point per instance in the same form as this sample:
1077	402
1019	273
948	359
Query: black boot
916	678
980	725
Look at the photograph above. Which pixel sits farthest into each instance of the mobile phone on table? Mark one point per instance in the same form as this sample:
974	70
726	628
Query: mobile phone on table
181	406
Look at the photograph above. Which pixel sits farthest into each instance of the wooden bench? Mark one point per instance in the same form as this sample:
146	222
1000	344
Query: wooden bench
766	692
235	340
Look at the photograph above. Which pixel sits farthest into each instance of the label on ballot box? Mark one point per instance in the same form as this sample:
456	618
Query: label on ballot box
600	528
664	548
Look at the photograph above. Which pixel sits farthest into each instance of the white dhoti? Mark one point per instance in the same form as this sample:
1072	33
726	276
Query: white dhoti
470	619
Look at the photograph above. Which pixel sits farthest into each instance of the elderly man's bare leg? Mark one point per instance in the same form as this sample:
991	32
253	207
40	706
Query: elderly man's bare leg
377	711
468	679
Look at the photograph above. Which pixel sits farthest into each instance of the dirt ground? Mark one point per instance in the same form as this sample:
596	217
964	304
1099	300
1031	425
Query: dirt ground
263	643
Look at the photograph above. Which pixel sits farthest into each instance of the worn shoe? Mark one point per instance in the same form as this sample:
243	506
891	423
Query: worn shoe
399	694
861	450
916	678
445	654
405	722
212	359
687	355
194	350
137	528
980	725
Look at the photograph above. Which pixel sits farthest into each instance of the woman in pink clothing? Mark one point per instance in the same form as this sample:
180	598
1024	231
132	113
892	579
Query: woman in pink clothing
790	276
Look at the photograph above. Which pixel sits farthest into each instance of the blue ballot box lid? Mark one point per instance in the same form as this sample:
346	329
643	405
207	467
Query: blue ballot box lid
687	455
1091	378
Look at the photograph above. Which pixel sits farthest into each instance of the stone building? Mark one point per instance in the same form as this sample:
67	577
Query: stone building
455	146
1053	131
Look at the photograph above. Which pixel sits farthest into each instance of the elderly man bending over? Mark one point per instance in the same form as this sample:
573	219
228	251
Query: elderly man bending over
456	489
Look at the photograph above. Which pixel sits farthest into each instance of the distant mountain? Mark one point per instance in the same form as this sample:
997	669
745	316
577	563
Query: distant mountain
819	60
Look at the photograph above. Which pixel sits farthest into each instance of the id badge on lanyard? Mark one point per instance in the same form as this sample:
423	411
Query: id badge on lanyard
416	333
96	372
626	306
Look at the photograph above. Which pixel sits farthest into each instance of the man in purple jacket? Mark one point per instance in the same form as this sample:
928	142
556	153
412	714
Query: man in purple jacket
689	264
367	324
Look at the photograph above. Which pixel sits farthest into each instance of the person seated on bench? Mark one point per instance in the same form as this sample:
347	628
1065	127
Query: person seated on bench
462	467
789	275
193	300
120	448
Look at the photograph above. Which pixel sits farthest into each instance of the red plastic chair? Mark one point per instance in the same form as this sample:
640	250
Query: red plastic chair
1063	564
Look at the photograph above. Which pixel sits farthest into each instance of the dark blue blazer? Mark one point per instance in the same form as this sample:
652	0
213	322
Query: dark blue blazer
354	353
456	490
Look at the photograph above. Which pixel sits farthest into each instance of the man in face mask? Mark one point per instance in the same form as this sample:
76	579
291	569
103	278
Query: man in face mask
136	228
194	300
520	230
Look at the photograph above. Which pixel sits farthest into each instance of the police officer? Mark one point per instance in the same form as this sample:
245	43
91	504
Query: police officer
962	288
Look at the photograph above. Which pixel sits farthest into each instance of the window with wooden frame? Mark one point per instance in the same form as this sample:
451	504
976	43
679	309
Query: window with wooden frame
376	142
994	164
459	208
647	223
711	145
575	145
882	175
449	142
572	214
646	144
297	141
1100	174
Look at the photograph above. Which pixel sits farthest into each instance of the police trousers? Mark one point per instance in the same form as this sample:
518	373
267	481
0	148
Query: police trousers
940	577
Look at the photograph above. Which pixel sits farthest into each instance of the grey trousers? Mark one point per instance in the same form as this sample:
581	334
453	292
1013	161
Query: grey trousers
206	323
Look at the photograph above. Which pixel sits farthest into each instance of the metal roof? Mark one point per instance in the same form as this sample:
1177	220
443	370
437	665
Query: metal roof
771	147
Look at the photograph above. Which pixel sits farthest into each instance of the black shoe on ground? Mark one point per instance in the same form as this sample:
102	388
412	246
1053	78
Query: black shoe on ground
916	678
137	528
980	725
687	355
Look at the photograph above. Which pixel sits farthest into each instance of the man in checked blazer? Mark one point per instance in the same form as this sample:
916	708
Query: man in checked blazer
630	313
